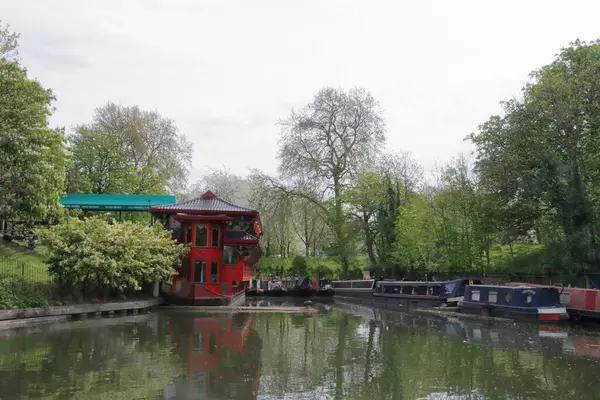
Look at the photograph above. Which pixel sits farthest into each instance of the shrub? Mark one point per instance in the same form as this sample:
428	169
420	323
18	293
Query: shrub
100	256
299	266
15	292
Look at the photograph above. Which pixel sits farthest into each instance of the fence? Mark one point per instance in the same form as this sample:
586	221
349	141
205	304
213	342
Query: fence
27	271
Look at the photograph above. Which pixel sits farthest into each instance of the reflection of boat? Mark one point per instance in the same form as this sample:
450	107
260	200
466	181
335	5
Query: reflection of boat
523	302
580	303
406	294
254	292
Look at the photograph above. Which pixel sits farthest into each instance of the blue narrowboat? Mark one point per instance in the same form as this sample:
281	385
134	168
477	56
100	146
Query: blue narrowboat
518	302
405	294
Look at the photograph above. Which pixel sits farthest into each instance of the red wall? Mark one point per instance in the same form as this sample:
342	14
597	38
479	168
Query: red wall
241	272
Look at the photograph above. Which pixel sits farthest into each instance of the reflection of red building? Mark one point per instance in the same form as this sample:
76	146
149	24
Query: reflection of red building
221	356
224	241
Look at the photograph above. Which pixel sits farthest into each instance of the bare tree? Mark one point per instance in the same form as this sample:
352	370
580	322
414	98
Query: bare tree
224	184
325	143
9	43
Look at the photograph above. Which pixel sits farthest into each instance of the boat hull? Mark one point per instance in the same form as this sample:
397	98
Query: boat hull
539	314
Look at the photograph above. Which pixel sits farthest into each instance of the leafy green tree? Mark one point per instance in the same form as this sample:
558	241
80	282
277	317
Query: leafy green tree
104	257
128	149
33	158
543	156
299	266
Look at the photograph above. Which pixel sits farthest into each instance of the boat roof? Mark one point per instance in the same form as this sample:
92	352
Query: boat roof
421	282
510	287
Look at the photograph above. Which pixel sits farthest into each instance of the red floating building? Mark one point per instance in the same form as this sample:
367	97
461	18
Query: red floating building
224	241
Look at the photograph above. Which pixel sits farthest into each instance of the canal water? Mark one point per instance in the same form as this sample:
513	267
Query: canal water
343	352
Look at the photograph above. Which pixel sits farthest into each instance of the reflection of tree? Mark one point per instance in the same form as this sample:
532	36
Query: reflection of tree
103	362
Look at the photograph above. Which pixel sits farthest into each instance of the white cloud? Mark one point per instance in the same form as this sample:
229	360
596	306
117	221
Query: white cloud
227	70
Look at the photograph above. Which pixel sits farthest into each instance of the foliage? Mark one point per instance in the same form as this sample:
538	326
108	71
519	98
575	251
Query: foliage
32	156
9	43
299	266
125	149
16	292
114	257
324	144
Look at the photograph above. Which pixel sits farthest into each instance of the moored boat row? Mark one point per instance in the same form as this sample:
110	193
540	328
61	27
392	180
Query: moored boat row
517	301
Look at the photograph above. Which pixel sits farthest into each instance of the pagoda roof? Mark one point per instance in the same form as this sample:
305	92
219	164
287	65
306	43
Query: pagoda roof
208	203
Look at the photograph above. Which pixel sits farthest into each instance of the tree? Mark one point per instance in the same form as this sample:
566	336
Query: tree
542	156
299	266
9	43
100	164
100	256
224	184
324	144
33	159
154	150
364	200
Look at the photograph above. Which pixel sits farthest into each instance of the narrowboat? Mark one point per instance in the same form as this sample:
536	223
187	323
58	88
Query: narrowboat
405	294
580	303
325	291
361	289
517	302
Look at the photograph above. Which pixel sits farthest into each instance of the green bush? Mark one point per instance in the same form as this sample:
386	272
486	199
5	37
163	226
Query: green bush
108	258
15	292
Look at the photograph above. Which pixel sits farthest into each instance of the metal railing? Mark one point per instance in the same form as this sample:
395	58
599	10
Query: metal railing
27	271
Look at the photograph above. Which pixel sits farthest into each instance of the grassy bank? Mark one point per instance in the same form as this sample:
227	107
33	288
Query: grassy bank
30	265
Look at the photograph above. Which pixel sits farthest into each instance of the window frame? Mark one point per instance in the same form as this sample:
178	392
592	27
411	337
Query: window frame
202	271
214	263
212	237
237	256
197	228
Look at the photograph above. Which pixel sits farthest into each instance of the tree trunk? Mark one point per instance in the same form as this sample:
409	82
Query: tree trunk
339	226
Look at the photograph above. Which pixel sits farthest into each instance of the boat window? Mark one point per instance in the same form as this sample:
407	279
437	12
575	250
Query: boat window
449	287
201	236
475	295
492	297
528	299
565	298
436	290
215	237
391	289
199	271
421	290
230	255
362	284
407	290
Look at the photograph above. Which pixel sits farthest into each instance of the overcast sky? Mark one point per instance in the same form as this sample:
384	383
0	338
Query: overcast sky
225	71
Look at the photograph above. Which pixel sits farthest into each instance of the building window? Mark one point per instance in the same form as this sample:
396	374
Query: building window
215	237
475	295
185	268
492	297
201	236
214	272
230	255
199	271
188	234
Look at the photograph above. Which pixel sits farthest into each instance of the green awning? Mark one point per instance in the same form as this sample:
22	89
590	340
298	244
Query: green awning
115	202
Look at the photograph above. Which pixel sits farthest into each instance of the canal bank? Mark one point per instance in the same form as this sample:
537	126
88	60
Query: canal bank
17	318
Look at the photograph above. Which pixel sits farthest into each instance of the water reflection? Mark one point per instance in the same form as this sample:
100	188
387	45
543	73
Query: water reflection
343	352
